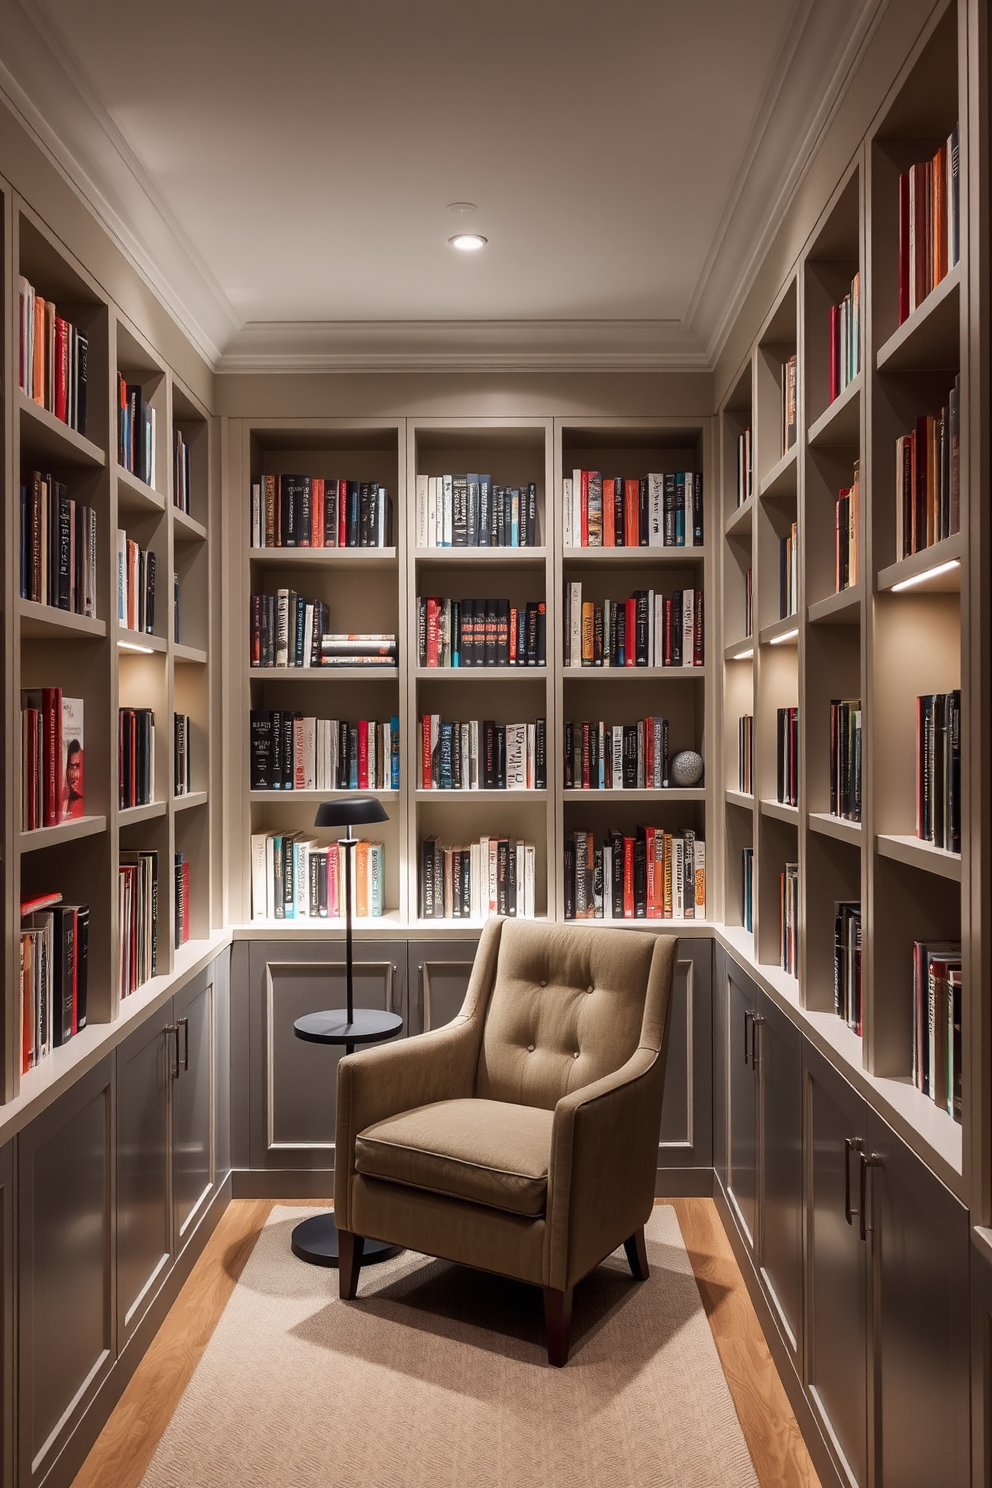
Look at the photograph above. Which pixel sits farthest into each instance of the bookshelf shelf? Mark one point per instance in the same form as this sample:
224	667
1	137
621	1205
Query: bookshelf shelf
779	811
328	674
67	831
192	655
929	339
942	560
481	674
187	528
476	558
741	799
780	482
661	795
45	437
128	816
837	609
836	827
782	632
634	673
134	496
740	521
919	854
422	797
189	800
742	650
840	422
365	560
314	797
44	622
138	640
643	557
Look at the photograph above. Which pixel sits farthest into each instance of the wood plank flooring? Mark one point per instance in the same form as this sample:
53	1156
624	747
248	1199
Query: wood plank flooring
125	1446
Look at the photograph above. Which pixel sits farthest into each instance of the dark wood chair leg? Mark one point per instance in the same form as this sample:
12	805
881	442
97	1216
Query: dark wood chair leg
350	1249
637	1255
558	1323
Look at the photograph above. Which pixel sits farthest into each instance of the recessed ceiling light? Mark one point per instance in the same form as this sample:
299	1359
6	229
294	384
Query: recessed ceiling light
460	209
468	242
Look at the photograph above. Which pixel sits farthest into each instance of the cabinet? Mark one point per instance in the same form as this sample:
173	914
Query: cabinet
7	1433
438	975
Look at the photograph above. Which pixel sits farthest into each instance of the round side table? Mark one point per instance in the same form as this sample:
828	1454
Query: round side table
316	1239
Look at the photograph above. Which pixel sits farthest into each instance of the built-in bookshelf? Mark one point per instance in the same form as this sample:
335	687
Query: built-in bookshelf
882	631
66	641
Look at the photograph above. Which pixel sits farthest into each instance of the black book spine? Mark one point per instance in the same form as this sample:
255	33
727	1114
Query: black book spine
502	875
353	512
489	754
678	658
540	755
643	513
640	875
82	962
619	511
150	563
569	779
305	526
483	533
616	874
641	633
542	634
697	508
261	749
64	550
568	877
500	757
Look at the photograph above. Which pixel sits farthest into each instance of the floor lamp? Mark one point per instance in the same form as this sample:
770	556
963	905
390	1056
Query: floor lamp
316	1239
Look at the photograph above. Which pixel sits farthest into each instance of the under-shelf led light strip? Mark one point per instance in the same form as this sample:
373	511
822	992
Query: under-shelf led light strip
926	575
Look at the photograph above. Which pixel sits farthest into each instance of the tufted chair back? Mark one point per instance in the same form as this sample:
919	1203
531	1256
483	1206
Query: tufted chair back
566	1008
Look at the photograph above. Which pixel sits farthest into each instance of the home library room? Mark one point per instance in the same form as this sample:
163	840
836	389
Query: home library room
109	876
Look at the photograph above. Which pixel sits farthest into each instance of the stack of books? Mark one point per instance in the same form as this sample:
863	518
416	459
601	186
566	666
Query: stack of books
480	632
848	516
52	755
787	757
313	511
54	971
137	910
58	546
468	511
845	340
627	756
745	754
357	648
651	875
929	224
937	1023
182	754
789	918
845	758
135	585
494	875
482	755
938	769
297	878
650	511
647	629
135	431
52	359
847	962
290	751
928	477
135	757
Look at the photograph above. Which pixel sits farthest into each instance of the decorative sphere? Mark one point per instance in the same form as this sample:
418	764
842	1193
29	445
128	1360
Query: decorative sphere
687	768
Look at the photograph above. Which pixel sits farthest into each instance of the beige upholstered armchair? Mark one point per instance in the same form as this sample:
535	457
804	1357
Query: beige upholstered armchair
522	1137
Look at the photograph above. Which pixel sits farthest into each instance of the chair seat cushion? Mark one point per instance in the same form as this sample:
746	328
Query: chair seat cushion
488	1152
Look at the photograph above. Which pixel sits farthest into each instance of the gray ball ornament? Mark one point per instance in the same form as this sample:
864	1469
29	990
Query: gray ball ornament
686	768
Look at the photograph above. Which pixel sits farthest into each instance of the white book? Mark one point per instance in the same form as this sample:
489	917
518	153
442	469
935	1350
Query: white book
577	508
308	633
700	879
575	624
530	880
301	877
376	873
270	877
256	514
152	448
433	534
607	881
121	576
259	908
475	880
516	758
656	511
652	653
465	740
617	743
447	507
678	878
519	892
473	735
423	504
566	512
90	599
658	629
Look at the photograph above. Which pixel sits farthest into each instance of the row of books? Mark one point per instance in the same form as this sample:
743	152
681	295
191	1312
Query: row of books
651	511
938	769
482	755
748	602
787	755
136	419
844	335
53	975
747	889
847	518
847	962
297	878
137	910
845	758
937	1023
58	546
495	875
627	756
313	511
929	224
288	630
788	574
52	742
182	902
647	629
745	754
182	754
789	918
290	751
135	585
480	632
52	359
928	477
468	511
650	875
745	466
180	471
790	402
135	757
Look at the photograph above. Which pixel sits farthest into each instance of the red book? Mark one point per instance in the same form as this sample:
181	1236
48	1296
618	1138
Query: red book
697	632
513	634
584	506
342	514
919	177
317	512
920	766
586	760
630	633
632	513
426	782
61	409
609	513
628	878
904	255
51	707
42	901
666	644
938	213
834	352
433	616
185	899
363	754
652	909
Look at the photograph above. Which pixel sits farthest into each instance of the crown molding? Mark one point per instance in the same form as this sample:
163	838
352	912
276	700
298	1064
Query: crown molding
463	345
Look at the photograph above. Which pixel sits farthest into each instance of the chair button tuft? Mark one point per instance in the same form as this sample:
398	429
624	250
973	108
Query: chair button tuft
530	1048
576	1054
543	982
590	988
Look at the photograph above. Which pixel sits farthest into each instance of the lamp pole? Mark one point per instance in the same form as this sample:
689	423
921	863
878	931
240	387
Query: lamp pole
348	843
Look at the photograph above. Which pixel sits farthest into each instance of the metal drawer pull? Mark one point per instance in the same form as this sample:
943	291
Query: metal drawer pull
851	1144
756	1023
173	1028
864	1228
184	1025
747	1014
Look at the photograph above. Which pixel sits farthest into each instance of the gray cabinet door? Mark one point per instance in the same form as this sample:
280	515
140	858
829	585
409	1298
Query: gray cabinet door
438	973
193	1105
742	1093
66	1339
686	1139
780	1205
293	1084
837	1269
144	1175
7	1313
721	1062
920	1244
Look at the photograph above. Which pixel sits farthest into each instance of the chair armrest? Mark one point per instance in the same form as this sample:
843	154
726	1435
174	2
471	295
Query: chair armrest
604	1156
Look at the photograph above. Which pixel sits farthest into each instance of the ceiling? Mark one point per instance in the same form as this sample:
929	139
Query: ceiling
281	173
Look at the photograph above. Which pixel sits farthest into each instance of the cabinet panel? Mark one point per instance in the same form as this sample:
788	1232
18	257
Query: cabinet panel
144	1192
920	1253
686	1138
65	1227
721	1066
7	1313
293	1082
193	1104
742	1089
837	1304
779	1047
438	974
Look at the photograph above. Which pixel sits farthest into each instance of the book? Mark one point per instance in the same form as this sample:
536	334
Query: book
72	784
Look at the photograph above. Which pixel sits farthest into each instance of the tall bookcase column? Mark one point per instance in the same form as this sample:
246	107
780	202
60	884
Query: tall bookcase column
778	599
631	452
737	509
832	526
364	589
458	560
920	629
9	540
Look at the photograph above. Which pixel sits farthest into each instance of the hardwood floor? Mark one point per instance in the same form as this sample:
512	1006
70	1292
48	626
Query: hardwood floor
125	1446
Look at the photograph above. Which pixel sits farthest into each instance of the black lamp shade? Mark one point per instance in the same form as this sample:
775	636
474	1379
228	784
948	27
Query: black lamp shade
350	811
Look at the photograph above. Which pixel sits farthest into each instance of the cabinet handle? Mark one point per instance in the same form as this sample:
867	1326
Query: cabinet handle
851	1144
184	1025
866	1161
756	1023
747	1014
173	1028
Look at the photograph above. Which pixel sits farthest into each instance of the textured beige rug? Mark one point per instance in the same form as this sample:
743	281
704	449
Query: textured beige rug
437	1378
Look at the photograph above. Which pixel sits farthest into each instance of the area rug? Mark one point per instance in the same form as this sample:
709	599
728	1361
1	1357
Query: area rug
437	1377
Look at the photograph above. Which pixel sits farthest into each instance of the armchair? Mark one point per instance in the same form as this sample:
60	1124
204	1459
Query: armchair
522	1137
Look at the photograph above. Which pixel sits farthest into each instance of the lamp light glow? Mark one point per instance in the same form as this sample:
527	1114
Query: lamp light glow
468	242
